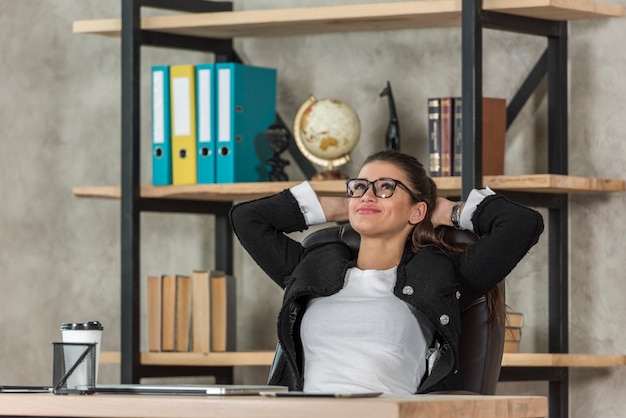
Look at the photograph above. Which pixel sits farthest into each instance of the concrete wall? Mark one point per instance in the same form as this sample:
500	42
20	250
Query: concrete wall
60	128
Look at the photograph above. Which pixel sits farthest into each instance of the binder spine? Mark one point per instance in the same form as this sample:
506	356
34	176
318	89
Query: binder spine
183	108
161	131
206	122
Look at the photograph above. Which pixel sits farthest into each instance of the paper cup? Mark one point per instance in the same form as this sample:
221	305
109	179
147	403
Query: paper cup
86	332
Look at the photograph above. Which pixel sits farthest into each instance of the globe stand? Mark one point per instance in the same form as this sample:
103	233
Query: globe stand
329	175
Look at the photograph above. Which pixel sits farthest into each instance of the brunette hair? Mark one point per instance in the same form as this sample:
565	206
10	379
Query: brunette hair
424	233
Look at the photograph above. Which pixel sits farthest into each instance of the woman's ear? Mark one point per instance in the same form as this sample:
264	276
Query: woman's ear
419	213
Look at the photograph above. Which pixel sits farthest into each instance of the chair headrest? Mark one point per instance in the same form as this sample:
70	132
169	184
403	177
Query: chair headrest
344	232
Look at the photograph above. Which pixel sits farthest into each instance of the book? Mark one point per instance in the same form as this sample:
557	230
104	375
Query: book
200	311
457	144
514	319
223	312
168	313
511	346
512	334
183	313
494	136
513	331
434	137
153	288
446	138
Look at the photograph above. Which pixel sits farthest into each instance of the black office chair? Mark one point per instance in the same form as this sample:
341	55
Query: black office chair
481	342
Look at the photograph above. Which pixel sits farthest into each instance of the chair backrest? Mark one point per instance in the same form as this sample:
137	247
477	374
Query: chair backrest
481	342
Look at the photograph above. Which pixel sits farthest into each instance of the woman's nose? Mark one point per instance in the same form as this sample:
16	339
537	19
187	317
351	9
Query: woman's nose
369	194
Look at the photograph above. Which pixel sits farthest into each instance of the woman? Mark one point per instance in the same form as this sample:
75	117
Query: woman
387	320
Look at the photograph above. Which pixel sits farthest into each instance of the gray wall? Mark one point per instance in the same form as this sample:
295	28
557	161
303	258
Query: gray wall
60	128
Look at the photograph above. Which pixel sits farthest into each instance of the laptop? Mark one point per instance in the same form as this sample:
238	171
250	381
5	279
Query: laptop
201	390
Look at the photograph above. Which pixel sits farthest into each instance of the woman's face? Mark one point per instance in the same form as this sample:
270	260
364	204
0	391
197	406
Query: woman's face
394	216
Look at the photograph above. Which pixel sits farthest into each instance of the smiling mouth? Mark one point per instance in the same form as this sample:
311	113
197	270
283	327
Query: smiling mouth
367	210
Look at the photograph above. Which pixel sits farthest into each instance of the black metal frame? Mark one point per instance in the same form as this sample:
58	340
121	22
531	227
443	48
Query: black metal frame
131	202
553	62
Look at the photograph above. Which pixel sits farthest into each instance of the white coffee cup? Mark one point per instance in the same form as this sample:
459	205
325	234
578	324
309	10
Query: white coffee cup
86	332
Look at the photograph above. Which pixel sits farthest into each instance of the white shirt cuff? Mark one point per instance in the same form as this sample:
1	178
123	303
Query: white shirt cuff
473	200
309	203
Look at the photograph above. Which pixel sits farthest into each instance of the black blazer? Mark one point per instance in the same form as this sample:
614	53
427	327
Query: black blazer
435	282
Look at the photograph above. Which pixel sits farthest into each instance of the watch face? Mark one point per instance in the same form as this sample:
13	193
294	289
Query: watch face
456	211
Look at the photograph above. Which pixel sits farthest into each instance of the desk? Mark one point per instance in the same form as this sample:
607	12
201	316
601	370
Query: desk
388	406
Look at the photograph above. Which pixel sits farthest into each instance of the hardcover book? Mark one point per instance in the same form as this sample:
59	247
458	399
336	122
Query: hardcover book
223	312
494	135
153	286
201	311
183	312
434	137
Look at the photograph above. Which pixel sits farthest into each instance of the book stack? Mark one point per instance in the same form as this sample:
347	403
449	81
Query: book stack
209	123
445	136
192	313
513	331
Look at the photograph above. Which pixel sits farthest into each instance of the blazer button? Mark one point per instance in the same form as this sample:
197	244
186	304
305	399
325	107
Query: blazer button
444	319
458	294
407	290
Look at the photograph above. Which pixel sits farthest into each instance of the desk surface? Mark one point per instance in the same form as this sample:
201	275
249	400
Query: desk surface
116	406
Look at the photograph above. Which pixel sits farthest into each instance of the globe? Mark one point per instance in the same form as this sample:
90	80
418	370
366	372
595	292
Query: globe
326	130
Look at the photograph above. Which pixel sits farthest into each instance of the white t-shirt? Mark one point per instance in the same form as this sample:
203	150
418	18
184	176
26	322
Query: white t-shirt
364	338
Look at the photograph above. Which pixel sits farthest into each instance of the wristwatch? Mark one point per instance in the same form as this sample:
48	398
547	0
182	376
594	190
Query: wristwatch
456	214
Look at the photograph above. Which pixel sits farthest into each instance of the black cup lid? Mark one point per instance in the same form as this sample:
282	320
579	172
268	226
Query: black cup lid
89	326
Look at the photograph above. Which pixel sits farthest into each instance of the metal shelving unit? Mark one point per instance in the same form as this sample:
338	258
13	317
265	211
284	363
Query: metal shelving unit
473	19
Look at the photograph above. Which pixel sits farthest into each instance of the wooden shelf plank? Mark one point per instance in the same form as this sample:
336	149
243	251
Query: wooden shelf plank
264	358
562	360
448	186
239	358
347	18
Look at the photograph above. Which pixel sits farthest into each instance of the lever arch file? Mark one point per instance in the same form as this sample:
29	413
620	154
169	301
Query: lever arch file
183	107
246	107
205	76
161	134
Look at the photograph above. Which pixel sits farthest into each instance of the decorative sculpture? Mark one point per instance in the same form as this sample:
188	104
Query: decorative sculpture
393	129
278	139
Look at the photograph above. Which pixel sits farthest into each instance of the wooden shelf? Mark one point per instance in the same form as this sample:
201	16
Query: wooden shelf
350	18
562	360
264	358
238	358
448	186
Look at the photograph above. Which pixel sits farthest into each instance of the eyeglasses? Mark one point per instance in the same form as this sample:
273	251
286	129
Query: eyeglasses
382	187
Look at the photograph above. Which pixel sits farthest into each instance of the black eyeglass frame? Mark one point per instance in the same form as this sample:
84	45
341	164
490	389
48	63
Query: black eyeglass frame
375	190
